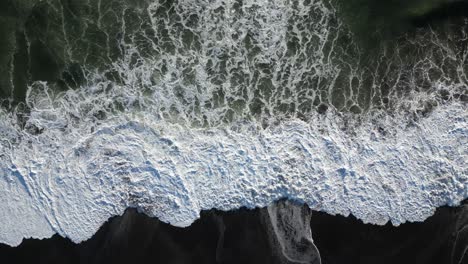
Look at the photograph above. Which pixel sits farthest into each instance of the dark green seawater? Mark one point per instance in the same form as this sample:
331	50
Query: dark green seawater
366	61
178	106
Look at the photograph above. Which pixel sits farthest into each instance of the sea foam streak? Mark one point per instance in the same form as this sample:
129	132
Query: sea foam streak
179	131
70	184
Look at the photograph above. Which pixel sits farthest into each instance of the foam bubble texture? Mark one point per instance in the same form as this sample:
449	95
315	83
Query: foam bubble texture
159	139
72	184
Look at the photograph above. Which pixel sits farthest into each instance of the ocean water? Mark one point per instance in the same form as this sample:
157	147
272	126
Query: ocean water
174	107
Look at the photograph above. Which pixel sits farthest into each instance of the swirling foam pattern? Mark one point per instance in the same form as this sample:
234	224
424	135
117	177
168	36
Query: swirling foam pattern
221	124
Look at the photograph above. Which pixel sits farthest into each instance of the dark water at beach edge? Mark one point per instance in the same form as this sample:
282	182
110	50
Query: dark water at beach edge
375	55
242	236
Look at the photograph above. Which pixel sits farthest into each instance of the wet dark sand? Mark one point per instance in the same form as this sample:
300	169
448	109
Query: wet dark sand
242	237
218	237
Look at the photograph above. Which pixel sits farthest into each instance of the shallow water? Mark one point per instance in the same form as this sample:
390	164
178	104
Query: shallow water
174	107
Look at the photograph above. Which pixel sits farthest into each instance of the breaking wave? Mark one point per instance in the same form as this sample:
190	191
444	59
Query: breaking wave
228	104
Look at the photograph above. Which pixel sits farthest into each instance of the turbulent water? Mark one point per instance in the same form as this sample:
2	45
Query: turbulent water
174	107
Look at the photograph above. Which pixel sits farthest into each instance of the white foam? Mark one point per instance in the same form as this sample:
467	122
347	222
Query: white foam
70	183
148	153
